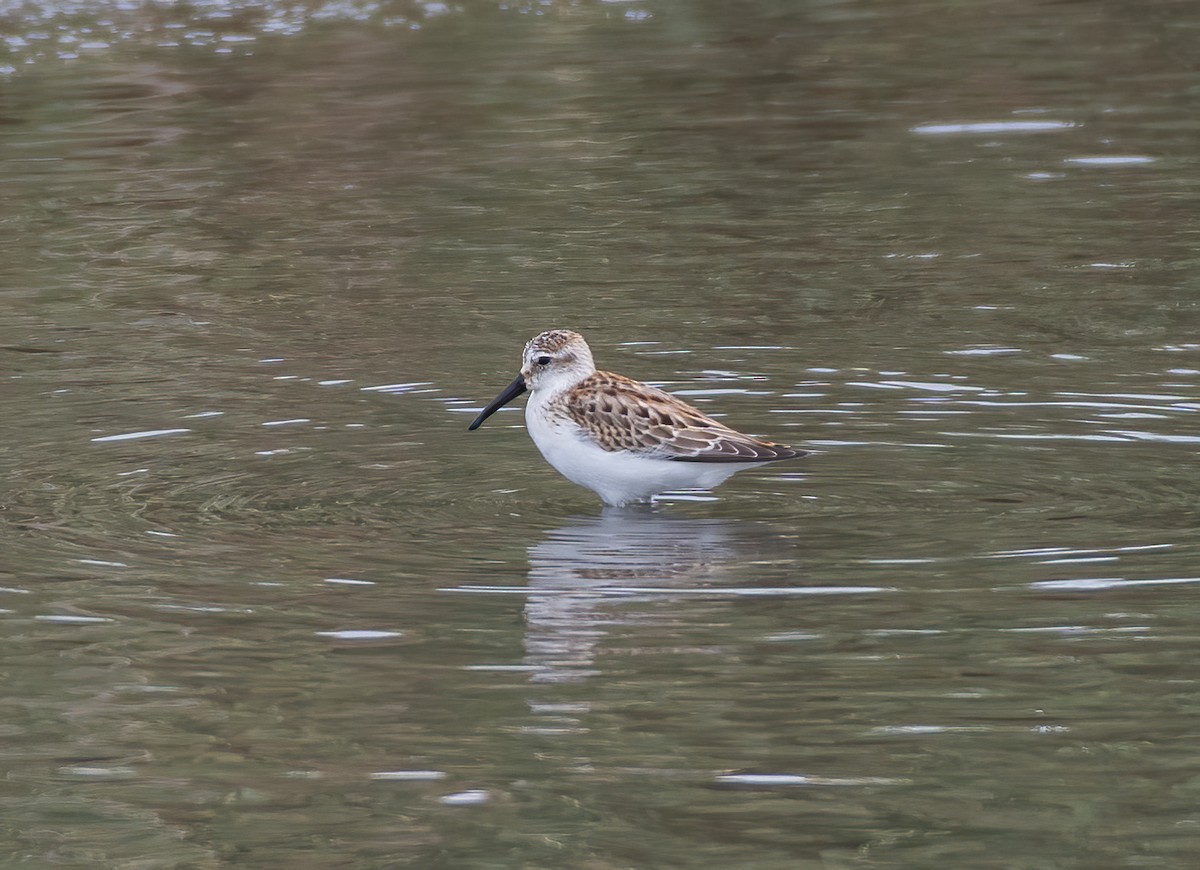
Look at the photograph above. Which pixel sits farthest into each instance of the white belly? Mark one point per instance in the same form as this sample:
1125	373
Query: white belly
617	477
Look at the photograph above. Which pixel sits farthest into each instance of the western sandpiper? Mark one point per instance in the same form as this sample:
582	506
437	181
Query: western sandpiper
622	439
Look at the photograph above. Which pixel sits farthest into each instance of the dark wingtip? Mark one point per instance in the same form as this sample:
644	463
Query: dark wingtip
769	452
760	451
782	451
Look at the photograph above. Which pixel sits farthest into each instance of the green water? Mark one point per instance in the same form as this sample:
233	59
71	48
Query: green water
265	602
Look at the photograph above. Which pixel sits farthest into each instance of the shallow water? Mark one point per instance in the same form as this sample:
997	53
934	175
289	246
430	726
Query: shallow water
265	601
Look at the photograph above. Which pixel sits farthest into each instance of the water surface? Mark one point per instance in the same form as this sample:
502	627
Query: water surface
265	601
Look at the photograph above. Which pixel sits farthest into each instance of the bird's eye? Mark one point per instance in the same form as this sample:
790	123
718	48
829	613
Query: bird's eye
543	360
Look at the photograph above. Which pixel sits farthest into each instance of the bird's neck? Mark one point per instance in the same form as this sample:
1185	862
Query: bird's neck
553	388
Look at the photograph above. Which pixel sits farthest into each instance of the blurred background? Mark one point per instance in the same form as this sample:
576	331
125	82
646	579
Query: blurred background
264	602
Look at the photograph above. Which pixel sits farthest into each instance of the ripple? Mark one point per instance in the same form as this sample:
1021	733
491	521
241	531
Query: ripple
397	388
1126	160
793	780
983	351
408	775
471	797
929	729
99	772
1074	629
1033	436
1157	436
988	127
713	592
1078	559
149	433
1091	584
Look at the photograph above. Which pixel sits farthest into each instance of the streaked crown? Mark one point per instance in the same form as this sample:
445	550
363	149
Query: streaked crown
556	360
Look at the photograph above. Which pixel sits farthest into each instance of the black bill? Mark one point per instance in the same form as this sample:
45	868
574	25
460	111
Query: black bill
510	392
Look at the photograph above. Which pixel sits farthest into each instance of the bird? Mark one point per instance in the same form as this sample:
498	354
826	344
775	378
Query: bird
624	440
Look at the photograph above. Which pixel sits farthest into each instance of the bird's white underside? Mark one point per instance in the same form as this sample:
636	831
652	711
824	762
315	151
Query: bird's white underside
617	476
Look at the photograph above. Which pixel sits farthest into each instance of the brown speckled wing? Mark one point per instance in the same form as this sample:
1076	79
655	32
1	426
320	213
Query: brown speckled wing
622	414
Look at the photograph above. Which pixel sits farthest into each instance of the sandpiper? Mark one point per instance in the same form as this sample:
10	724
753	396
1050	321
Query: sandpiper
624	440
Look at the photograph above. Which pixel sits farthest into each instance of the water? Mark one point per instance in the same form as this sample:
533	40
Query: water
265	601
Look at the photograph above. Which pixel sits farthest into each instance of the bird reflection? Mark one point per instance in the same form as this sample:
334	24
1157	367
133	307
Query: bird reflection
584	575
